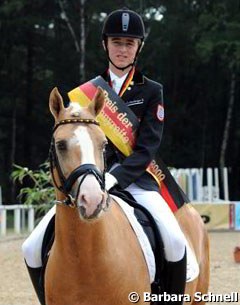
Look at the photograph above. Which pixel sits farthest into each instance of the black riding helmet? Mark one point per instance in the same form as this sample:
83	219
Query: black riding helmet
124	23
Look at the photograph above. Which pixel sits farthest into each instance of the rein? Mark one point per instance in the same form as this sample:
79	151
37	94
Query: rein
83	170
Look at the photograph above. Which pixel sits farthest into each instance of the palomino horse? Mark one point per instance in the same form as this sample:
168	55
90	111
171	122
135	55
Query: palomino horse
96	257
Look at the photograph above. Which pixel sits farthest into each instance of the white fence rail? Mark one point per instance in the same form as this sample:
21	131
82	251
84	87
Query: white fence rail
19	217
203	185
0	195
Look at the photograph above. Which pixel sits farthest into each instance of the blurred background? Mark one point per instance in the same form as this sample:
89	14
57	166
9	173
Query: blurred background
192	48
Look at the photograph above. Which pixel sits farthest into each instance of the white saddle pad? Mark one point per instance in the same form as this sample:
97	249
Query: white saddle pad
142	238
192	265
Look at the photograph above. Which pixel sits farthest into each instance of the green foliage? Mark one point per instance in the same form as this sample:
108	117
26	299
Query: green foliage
218	30
41	192
191	48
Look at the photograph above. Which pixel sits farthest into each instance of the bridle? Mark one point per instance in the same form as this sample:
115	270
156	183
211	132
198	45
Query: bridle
83	170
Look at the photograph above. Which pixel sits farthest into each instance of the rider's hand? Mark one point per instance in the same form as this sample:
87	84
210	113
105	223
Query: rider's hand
110	181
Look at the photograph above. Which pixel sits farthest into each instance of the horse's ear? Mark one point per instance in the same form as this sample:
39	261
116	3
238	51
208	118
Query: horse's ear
55	103
97	103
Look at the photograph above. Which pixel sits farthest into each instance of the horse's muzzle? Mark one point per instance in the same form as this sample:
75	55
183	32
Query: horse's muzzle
90	211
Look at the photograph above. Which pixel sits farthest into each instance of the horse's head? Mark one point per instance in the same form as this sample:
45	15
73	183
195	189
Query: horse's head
77	155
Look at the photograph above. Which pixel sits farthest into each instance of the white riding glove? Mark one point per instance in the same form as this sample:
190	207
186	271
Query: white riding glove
110	181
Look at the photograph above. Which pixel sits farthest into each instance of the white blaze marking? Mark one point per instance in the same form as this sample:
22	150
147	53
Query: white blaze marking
90	188
83	139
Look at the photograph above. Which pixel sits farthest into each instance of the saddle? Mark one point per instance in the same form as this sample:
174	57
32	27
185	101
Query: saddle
149	226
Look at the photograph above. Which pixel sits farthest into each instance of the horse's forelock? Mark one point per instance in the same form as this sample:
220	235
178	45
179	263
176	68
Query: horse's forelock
77	111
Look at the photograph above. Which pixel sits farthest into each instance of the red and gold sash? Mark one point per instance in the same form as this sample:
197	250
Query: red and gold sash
120	124
116	120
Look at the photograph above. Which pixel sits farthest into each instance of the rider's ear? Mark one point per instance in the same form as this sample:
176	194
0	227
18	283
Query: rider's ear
104	44
142	45
55	102
97	103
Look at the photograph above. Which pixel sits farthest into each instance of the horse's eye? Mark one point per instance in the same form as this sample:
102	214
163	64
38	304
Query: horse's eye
104	145
62	145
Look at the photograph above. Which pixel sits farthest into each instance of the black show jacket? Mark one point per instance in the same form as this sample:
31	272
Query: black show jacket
145	98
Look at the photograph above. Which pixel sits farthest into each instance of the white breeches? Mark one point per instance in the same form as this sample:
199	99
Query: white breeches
173	238
32	246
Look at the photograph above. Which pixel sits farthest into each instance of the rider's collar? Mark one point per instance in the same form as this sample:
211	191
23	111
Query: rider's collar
138	77
114	77
117	81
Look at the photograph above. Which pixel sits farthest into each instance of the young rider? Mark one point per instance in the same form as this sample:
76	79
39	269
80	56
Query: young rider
123	38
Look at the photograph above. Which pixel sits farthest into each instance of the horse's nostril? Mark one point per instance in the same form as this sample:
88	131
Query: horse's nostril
94	199
83	198
91	204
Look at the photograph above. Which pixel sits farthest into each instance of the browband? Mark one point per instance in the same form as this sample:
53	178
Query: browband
71	121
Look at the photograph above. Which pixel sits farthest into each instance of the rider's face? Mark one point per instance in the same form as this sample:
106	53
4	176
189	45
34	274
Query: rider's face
122	50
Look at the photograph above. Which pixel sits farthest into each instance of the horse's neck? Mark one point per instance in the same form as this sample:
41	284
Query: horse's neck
94	256
72	233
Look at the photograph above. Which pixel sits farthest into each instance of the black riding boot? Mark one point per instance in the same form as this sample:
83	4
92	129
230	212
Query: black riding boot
35	274
176	279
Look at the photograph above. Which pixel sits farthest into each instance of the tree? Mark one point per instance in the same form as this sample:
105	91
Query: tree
219	39
192	48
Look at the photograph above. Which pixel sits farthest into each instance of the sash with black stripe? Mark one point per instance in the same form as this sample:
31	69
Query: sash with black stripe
120	124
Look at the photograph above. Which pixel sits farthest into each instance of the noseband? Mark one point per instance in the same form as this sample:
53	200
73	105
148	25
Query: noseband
83	170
